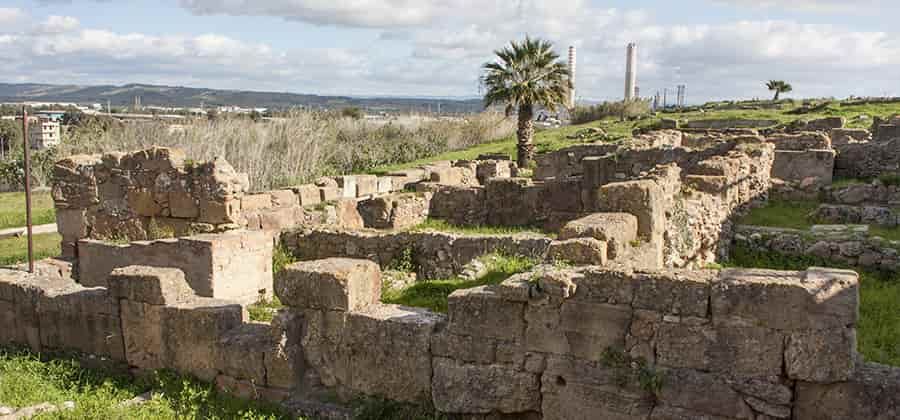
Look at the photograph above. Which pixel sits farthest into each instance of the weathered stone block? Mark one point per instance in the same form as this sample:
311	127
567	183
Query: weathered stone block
703	393
798	166
482	312
308	194
579	251
183	205
366	185
579	328
385	185
192	331
872	393
151	285
741	351
329	193
818	298
347	184
481	389
241	353
822	356
618	230
339	284
400	369
78	318
575	389
142	203
682	293
643	199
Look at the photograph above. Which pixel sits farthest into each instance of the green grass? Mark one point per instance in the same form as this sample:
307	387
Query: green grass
26	379
264	310
12	209
783	214
15	250
878	330
433	294
889	233
439	225
846	182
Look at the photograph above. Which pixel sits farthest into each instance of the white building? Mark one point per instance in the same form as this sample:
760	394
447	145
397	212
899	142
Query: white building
43	133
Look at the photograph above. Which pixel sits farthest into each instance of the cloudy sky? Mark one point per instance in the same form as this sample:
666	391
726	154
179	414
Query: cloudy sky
718	48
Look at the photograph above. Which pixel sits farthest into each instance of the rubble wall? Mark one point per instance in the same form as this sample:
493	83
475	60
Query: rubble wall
868	160
554	343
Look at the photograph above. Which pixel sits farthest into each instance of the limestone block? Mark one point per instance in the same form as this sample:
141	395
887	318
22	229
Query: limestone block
385	185
482	312
78	318
347	184
666	412
741	351
219	212
683	293
463	348
400	369
582	329
606	285
872	393
329	193
339	284
326	182
822	356
800	141
488	169
482	389
192	331
842	136
183	205
255	202
142	203
618	230
143	327
797	166
366	185
579	251
347	215
818	298
241	352
703	393
284	198
574	389
284	361
643	199
71	224
151	285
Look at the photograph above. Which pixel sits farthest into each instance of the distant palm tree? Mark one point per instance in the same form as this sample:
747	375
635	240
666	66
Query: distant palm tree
779	87
526	74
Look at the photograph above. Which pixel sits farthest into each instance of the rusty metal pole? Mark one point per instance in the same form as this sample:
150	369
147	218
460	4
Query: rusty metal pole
27	148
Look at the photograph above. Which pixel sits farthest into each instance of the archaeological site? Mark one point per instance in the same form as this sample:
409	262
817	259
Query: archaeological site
629	313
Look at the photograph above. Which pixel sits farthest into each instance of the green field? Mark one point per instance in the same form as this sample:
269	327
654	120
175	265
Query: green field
15	250
796	215
12	209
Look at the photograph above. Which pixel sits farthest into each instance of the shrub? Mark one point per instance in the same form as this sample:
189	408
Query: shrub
298	148
623	110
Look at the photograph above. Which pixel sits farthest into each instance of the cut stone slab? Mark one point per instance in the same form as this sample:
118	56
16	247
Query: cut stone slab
616	229
338	284
151	285
578	251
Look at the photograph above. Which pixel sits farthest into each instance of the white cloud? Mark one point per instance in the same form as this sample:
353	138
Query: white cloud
820	6
724	60
10	16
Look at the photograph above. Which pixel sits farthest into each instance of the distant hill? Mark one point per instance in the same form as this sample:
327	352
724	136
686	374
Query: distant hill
177	96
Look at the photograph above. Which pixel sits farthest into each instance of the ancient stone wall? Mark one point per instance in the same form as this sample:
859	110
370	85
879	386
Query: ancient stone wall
874	193
554	343
847	245
434	255
867	160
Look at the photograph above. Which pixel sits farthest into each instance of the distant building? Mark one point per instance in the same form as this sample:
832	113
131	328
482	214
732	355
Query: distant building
43	133
54	116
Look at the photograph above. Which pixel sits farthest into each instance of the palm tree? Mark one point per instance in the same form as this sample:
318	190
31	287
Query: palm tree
524	75
779	87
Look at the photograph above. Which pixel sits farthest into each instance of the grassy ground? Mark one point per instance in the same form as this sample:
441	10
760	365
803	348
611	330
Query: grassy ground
438	225
15	250
795	215
433	294
879	322
12	209
26	380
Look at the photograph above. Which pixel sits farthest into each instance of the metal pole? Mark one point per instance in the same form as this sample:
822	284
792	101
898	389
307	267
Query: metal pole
25	142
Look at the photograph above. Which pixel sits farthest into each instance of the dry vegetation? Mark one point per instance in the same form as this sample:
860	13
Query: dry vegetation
299	148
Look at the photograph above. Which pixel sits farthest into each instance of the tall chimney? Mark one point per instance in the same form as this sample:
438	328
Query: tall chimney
572	76
630	71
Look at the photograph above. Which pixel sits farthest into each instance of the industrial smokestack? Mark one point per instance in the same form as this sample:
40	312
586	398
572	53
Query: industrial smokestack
572	76
630	71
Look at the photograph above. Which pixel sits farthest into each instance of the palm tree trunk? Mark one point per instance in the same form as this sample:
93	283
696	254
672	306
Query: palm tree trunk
777	94
525	134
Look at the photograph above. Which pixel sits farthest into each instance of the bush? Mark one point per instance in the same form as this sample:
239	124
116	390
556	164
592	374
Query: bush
299	148
623	110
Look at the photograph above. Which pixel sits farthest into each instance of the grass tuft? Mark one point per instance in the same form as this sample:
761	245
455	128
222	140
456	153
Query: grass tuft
439	225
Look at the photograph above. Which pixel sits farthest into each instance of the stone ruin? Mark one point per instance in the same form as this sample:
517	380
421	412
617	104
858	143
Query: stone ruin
162	256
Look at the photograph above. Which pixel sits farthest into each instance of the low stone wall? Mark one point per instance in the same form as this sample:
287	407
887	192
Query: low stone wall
583	343
843	244
868	160
874	193
434	255
719	124
236	265
838	214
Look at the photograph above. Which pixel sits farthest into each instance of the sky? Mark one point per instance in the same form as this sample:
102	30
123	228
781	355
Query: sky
719	49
